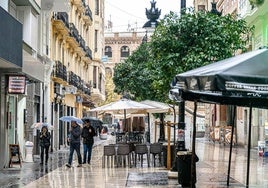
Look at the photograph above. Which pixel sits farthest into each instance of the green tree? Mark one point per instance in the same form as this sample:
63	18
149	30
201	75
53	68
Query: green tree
179	44
133	76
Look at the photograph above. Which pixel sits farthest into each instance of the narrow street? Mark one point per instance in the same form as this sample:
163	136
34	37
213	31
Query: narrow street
211	171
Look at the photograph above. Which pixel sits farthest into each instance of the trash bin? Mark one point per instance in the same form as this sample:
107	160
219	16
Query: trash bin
29	152
184	159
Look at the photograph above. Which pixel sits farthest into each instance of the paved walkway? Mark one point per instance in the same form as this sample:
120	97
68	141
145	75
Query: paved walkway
211	171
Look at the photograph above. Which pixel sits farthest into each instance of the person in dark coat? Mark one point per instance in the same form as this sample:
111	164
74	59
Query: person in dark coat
74	140
88	133
44	144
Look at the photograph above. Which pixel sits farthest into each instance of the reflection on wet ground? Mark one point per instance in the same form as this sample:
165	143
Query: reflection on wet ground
211	171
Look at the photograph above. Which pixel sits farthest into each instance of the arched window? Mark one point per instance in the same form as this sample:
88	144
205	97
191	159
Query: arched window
124	51
108	51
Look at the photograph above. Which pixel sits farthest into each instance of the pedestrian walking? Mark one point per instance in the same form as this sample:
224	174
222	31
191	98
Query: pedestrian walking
44	144
74	140
88	134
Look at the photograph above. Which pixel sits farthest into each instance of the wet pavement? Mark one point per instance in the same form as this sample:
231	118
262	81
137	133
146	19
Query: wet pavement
211	171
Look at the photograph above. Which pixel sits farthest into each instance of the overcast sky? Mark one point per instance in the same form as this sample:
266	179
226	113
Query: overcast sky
132	12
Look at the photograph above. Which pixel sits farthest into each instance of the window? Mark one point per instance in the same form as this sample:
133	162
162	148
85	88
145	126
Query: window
95	77
108	51
124	51
97	7
96	41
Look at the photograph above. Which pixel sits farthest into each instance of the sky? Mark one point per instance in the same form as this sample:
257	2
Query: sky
126	14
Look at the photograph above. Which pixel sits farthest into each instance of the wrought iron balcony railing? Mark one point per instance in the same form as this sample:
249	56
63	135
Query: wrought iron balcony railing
63	16
59	71
88	12
88	52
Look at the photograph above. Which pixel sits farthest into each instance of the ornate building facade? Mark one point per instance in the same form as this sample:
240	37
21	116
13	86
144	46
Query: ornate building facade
78	77
118	46
53	50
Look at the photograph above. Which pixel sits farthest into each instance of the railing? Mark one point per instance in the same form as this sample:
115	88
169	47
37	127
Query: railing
82	43
60	71
88	52
88	12
63	16
74	32
77	82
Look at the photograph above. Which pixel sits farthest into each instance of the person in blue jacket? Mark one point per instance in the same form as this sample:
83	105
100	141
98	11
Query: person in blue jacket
74	140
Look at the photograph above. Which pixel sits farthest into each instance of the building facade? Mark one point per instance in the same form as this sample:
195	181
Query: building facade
255	13
22	68
50	66
78	77
119	46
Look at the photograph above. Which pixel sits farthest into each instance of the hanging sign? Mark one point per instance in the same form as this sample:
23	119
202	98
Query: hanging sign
16	84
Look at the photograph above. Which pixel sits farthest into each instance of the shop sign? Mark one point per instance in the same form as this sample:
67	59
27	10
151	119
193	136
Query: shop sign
16	84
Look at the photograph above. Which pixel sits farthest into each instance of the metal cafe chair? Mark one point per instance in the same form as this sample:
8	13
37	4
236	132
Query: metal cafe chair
123	153
156	150
140	150
109	154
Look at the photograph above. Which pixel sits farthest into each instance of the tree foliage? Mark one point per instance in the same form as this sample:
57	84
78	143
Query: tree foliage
179	44
133	76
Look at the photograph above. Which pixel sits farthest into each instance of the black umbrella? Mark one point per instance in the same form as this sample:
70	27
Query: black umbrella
94	122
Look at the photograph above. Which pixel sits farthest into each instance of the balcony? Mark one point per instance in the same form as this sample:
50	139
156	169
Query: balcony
82	43
61	22
72	78
59	73
73	38
80	4
87	17
76	81
88	52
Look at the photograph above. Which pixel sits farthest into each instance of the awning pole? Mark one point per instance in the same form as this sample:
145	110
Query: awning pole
249	144
231	144
193	159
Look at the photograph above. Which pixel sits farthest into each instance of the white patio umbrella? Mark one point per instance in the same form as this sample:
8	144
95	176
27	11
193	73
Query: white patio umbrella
159	106
123	105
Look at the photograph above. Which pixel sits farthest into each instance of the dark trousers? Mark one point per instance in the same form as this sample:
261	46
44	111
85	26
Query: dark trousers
87	152
44	150
75	147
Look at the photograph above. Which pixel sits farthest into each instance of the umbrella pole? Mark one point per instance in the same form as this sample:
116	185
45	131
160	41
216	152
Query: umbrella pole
249	143
125	121
149	132
231	145
193	170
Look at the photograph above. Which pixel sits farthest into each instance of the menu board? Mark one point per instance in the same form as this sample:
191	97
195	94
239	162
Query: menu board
16	84
14	155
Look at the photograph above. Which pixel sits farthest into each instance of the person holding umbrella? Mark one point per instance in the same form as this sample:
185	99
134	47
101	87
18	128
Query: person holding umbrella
88	133
74	140
44	143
